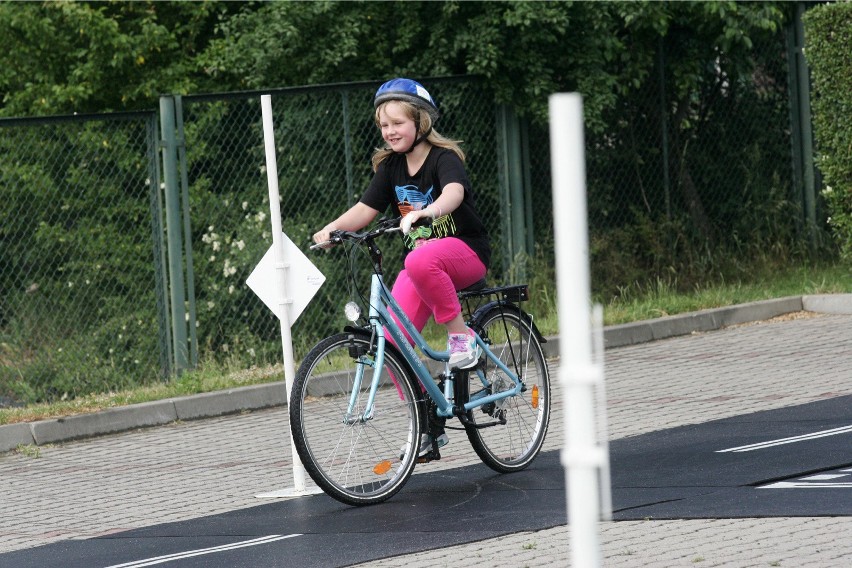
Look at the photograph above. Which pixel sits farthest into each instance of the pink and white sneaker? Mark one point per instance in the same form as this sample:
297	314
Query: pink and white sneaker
464	352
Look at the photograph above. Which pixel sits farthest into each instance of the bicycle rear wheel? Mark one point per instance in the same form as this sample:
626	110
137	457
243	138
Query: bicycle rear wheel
514	445
357	459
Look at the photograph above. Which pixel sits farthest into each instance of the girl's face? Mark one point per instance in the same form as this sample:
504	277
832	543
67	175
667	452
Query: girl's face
398	129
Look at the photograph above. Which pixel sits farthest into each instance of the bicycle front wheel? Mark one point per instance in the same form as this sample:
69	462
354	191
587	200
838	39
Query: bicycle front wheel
518	423
355	455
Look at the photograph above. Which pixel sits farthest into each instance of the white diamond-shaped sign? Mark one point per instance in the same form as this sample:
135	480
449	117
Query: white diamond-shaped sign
302	280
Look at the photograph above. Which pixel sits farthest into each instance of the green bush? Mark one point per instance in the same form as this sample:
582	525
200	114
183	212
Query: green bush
828	43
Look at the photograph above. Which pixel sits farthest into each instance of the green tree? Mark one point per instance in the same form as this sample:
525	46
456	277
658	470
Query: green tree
61	57
64	57
527	50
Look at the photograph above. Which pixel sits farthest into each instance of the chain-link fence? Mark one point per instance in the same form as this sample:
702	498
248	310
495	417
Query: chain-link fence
80	263
683	184
679	181
325	138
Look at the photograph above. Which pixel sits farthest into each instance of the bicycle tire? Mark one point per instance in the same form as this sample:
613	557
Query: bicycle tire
514	445
365	461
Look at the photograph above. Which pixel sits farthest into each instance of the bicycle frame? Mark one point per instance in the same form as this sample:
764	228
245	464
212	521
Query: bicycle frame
381	320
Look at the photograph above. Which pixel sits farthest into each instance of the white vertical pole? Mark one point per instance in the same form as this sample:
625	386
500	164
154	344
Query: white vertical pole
281	266
578	374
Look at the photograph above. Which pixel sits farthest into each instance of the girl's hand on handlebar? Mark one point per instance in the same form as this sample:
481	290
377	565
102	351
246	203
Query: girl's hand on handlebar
412	218
323	237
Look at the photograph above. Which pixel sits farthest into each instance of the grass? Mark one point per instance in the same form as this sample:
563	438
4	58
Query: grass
28	450
659	299
639	301
208	377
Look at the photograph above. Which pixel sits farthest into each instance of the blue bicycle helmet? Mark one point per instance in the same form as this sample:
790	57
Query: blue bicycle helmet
408	90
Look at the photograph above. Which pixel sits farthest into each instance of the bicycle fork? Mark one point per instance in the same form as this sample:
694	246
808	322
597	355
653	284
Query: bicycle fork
353	416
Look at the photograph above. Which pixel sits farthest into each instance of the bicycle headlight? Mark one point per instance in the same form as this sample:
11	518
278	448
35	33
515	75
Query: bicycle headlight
352	311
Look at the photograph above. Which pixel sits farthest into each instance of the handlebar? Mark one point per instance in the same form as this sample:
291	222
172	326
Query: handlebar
384	226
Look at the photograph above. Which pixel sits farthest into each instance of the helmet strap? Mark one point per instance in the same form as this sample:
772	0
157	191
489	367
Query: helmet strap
419	139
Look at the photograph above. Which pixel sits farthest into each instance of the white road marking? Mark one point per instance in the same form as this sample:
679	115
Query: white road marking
818	481
824	476
202	551
805	485
792	439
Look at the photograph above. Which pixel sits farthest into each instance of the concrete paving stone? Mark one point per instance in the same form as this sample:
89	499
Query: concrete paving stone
828	303
704	320
262	396
628	334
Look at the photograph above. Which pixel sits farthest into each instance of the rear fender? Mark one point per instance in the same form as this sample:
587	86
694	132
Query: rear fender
475	321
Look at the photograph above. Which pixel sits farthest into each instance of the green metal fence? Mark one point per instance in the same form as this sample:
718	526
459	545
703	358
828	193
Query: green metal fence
109	279
80	256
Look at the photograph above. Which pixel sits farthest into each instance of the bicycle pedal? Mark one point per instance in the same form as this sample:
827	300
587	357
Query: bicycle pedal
432	455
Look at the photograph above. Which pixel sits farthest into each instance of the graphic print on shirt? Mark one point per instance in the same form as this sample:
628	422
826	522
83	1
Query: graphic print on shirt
410	198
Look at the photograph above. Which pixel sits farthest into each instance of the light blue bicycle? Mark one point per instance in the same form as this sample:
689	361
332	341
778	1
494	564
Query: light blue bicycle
360	403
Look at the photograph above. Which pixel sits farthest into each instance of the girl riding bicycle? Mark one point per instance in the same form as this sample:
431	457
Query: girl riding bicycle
363	415
420	174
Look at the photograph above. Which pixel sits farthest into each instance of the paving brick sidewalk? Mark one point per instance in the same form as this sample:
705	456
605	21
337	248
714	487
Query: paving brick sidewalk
191	469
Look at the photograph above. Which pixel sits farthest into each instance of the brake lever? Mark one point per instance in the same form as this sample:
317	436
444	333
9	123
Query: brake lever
388	224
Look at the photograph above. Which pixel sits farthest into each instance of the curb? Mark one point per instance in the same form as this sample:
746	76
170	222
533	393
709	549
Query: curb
256	397
704	320
143	415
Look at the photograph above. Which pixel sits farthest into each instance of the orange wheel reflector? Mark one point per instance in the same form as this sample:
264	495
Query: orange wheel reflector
535	396
382	467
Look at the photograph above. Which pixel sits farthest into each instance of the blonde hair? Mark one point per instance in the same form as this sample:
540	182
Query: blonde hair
434	138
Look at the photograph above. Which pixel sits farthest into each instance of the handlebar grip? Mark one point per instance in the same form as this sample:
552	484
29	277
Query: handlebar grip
336	239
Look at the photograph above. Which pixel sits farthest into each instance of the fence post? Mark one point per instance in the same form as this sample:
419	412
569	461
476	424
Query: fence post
512	188
347	142
173	233
664	129
159	247
187	232
804	175
526	165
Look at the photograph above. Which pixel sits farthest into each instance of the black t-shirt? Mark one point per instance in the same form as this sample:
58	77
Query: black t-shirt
393	187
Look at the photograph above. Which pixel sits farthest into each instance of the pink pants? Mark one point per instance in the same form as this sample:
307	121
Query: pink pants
432	274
